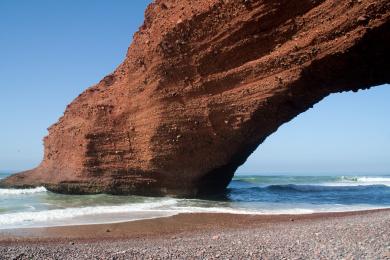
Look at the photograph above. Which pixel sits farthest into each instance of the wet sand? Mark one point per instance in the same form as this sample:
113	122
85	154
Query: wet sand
363	234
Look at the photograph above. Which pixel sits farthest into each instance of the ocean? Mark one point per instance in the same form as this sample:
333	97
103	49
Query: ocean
246	194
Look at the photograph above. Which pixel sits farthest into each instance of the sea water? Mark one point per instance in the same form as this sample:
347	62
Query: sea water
246	194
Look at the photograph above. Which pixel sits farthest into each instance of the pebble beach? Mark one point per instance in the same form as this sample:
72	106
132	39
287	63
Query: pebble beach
353	235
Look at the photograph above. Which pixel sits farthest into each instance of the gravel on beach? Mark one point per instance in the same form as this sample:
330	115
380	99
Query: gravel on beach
360	236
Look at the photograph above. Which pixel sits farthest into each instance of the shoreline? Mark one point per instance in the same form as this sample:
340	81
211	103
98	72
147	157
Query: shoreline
164	226
342	235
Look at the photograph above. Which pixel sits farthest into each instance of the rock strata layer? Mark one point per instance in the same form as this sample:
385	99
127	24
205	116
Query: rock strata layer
202	85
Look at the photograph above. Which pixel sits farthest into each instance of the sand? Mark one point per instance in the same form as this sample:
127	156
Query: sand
351	235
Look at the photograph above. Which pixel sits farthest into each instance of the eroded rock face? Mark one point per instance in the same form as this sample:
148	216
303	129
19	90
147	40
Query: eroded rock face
203	84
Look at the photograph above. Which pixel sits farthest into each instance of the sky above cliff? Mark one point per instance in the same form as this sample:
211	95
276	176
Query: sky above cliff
50	51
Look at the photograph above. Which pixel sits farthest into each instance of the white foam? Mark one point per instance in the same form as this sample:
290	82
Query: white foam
22	191
360	181
302	209
243	211
374	179
55	216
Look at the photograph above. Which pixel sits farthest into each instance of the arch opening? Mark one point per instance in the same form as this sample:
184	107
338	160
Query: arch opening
346	133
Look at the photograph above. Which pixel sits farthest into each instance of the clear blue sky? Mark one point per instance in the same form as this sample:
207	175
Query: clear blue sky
52	50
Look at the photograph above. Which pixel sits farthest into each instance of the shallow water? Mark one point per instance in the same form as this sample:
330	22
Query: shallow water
249	194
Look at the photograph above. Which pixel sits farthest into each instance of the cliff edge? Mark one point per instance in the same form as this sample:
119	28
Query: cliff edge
202	85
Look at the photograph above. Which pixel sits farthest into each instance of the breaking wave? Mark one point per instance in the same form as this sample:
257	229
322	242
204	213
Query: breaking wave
349	180
22	191
60	216
320	188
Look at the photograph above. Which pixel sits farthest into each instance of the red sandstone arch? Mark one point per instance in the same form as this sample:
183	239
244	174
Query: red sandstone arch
202	85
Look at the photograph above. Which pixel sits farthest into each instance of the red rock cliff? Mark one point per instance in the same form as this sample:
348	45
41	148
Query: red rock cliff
203	84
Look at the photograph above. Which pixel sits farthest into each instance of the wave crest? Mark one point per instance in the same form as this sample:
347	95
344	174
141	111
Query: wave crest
320	188
22	191
364	180
42	218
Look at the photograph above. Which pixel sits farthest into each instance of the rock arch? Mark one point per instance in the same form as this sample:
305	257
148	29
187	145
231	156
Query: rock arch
203	84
